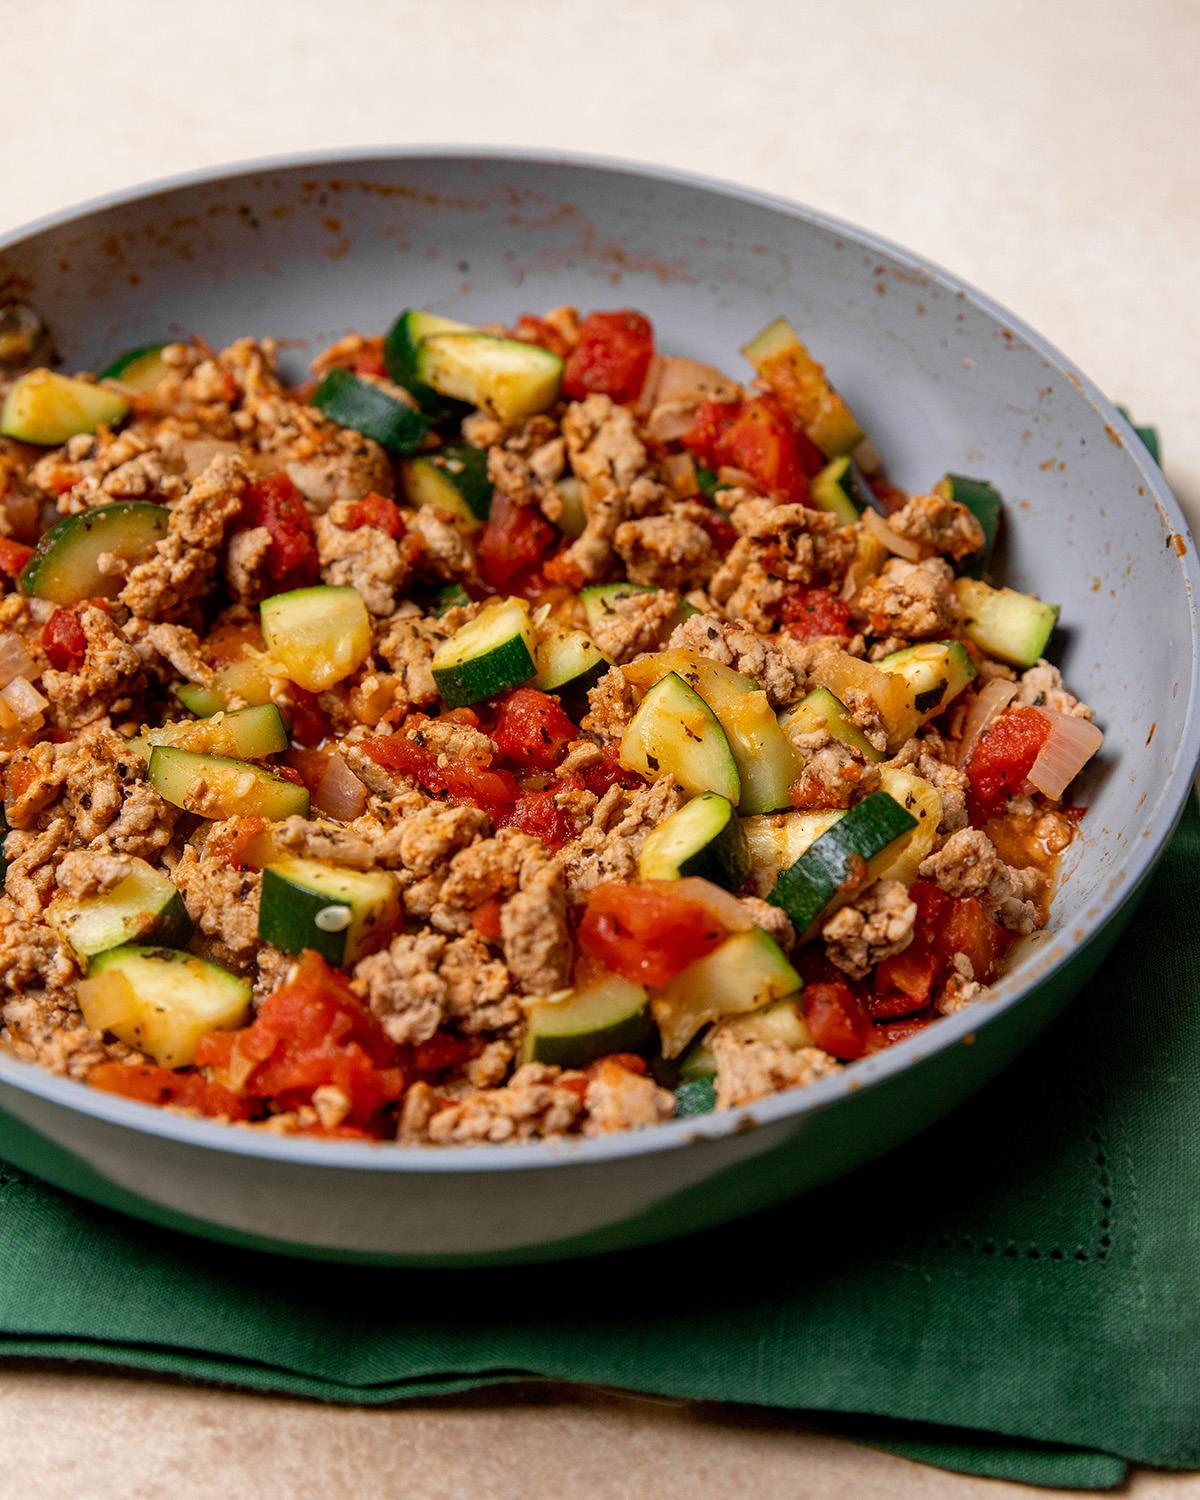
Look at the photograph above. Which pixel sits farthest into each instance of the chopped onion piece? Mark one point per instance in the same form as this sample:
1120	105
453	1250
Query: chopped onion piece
688	379
681	471
671	420
991	702
648	394
1069	746
15	661
725	907
23	698
892	540
339	792
738	478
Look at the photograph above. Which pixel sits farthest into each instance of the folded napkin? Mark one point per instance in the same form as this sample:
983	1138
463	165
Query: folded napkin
1015	1293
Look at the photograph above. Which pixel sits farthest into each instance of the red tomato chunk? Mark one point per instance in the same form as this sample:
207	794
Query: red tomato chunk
515	538
154	1085
531	730
536	813
531	330
758	437
645	933
837	1020
611	358
464	780
276	504
13	555
64	642
378	511
1004	757
809	612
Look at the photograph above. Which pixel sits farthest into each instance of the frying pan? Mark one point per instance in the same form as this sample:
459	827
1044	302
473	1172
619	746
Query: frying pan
943	380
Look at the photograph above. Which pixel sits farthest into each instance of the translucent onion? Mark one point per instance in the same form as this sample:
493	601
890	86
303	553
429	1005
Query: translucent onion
892	540
726	908
1069	746
991	702
339	793
670	420
23	699
689	379
15	661
648	394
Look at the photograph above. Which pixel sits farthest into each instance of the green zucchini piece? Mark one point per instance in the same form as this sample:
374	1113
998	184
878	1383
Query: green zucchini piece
47	409
569	664
1015	627
841	490
707	481
64	567
698	1060
607	1016
144	908
820	880
704	837
777	840
453	479
573	521
924	801
767	761
244	734
319	635
142	368
822	710
450	596
503	376
799	381
341	913
161	1001
214	786
489	654
357	404
675	733
781	1021
201	701
936	672
746	972
400	359
696	1096
983	500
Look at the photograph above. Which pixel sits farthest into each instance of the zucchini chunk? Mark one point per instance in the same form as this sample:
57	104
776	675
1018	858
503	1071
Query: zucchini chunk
570	663
823	878
606	1016
144	908
449	596
924	801
841	490
363	407
504	376
696	1096
65	568
142	368
161	1001
799	382
47	409
844	674
983	501
704	837
216	787
244	734
400	359
821	710
342	913
767	761
675	733
777	840
747	971
936	672
489	654
319	635
1015	627
454	479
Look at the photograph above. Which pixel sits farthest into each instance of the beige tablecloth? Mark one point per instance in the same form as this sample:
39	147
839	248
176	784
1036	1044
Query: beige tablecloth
1044	149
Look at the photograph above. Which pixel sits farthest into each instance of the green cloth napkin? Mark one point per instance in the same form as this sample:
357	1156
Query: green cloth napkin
1015	1293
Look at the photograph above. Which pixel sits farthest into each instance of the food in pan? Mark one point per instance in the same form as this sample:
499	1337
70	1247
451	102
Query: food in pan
510	733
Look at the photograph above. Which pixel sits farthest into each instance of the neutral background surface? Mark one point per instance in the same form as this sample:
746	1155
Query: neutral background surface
1043	149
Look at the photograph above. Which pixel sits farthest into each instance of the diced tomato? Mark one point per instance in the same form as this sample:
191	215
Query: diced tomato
612	356
531	730
973	933
888	1033
277	504
536	813
378	511
466	780
485	919
608	772
756	436
904	982
64	642
233	846
13	555
167	1086
1003	758
369	359
312	1032
515	537
531	330
837	1020
807	612
441	1051
645	933
630	1061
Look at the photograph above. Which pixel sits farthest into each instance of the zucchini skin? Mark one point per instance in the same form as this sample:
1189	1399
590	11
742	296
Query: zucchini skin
469	667
63	566
291	904
400	361
357	404
808	887
982	499
720	850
